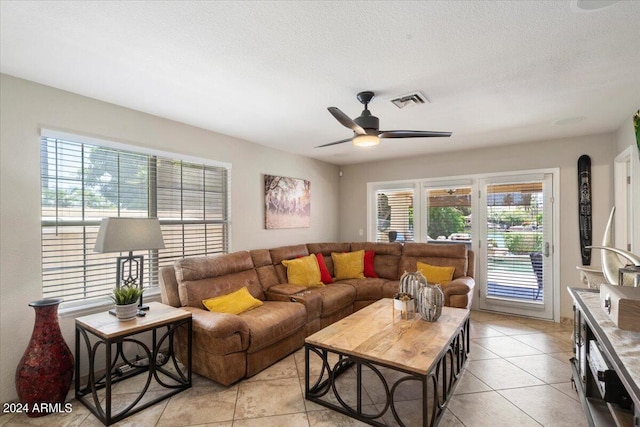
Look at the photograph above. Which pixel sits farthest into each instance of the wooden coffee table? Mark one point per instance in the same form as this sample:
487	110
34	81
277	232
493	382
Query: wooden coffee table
389	361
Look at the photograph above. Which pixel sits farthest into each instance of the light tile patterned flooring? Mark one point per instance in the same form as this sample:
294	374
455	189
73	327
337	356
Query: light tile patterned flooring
518	375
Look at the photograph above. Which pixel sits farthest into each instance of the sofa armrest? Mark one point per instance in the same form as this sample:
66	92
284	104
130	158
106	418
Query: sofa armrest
285	289
460	289
219	325
460	286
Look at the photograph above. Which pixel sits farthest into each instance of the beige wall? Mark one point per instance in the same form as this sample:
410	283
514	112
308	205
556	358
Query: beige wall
562	154
338	204
26	107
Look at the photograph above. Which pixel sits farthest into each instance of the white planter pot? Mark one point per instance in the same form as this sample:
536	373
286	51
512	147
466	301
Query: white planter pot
403	305
127	312
405	308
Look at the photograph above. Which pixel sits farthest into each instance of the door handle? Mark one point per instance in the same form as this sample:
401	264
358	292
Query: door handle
546	249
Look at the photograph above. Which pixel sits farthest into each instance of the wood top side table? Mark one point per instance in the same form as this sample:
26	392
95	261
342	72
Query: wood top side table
99	343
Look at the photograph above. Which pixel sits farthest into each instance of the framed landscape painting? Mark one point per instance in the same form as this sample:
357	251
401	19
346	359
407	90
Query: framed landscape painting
287	202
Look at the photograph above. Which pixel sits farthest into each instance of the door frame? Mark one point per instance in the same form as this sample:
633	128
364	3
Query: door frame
552	299
623	198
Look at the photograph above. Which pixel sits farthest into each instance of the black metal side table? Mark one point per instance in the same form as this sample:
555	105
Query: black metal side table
99	343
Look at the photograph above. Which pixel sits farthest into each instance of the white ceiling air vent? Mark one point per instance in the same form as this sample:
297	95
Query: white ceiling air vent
413	98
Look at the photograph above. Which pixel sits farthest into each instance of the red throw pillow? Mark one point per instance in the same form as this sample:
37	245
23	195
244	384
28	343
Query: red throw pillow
325	276
369	271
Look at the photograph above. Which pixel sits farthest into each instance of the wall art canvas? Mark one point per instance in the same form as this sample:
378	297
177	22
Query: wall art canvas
287	202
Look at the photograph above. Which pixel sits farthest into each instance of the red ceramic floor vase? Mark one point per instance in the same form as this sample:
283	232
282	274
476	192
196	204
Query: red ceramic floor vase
44	374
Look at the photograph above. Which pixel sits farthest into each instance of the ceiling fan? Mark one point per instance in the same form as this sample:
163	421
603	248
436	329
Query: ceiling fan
366	127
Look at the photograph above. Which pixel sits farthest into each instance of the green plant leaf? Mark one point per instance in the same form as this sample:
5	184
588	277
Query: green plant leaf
126	295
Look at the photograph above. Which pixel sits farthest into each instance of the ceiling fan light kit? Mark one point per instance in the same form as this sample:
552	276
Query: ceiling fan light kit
366	128
366	140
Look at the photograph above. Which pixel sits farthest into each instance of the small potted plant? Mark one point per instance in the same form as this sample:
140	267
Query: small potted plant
126	298
403	302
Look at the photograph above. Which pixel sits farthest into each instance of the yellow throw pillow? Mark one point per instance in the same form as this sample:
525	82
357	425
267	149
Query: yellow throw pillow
436	275
349	265
234	303
303	271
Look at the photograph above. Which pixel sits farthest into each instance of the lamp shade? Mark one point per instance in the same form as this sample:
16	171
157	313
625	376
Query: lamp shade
129	234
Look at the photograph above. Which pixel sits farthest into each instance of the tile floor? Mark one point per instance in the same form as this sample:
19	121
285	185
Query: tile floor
518	375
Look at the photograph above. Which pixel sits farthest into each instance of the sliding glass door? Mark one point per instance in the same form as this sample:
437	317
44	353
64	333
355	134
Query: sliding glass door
515	251
507	219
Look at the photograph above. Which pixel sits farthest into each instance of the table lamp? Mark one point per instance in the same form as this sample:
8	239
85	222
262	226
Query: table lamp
128	235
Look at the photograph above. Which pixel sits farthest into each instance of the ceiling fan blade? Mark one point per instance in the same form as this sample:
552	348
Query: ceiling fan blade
412	134
346	120
334	143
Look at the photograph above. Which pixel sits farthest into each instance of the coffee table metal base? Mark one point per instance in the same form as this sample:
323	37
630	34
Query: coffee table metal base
436	386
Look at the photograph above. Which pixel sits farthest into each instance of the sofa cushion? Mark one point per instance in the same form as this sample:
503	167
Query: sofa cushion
260	257
268	276
326	249
264	267
367	289
286	252
349	265
369	269
380	248
204	267
303	271
204	277
234	303
272	322
443	255
435	274
325	276
387	257
169	286
335	297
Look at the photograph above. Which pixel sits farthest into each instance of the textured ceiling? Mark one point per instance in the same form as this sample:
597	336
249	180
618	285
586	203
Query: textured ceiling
495	72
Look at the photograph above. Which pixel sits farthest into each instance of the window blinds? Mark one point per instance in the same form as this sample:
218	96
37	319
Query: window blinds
514	233
83	183
394	215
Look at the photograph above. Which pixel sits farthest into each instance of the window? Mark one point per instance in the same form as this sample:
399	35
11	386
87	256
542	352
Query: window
448	214
85	182
514	237
394	216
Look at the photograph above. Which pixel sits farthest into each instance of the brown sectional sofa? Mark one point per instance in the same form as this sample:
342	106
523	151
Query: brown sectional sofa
229	347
